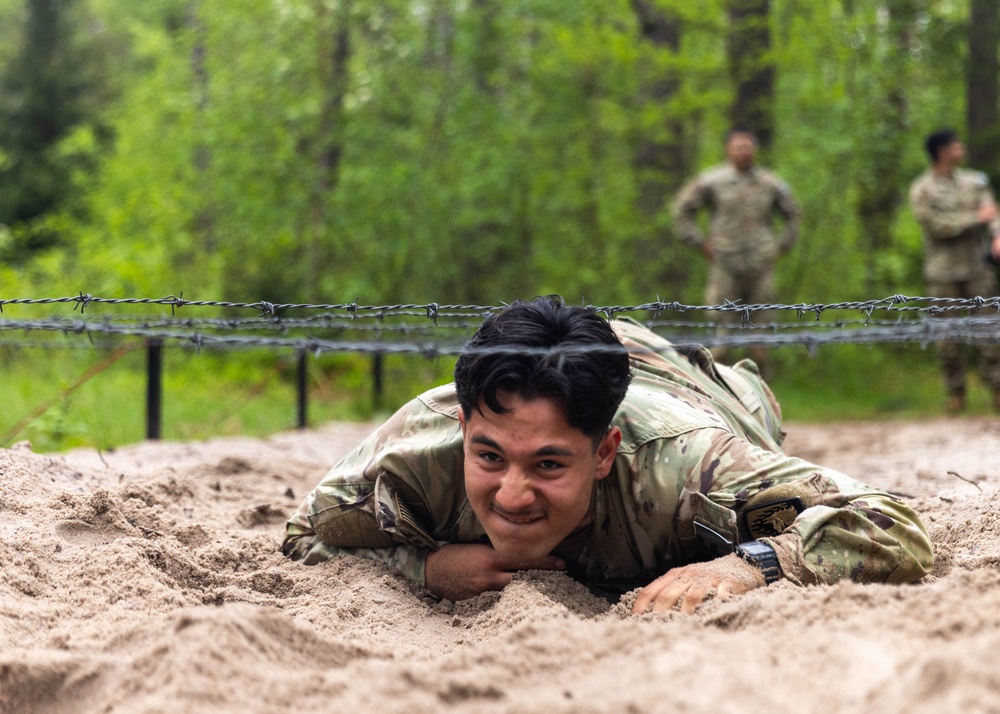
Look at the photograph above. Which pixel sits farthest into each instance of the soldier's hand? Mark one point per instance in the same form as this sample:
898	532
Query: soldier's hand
458	572
689	586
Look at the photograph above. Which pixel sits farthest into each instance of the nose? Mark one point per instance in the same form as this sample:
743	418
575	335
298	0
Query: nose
515	492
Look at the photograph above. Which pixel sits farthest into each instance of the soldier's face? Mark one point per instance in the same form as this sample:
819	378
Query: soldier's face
741	150
529	475
952	153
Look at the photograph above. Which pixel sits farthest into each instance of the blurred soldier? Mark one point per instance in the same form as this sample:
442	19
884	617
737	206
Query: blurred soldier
961	225
740	245
570	444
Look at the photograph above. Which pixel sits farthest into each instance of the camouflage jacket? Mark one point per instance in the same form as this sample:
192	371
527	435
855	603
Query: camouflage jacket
742	206
699	469
955	242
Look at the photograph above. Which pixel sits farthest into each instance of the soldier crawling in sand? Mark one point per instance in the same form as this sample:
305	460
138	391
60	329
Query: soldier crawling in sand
570	443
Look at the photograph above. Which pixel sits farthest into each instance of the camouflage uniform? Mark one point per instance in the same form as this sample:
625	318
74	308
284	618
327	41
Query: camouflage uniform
741	234
955	246
700	450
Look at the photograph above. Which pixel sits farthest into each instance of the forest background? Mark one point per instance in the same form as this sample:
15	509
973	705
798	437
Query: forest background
477	151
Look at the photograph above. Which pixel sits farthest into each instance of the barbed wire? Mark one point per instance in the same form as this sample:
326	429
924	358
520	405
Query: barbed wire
353	309
435	310
923	320
339	324
317	323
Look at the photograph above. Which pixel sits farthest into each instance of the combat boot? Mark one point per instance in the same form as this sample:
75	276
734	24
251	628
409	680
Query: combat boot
956	403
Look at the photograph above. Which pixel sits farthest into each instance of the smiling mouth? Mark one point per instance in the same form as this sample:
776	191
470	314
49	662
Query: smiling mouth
516	518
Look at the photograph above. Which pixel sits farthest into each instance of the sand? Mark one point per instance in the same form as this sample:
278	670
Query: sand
148	579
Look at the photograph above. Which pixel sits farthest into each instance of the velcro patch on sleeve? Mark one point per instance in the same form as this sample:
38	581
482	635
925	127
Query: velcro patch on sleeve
765	520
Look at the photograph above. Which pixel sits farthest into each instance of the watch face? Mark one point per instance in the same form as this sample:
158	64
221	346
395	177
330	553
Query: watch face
763	556
756	550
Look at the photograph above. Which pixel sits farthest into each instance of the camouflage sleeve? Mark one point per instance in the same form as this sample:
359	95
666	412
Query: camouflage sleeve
388	498
788	207
690	199
302	543
938	224
988	196
823	525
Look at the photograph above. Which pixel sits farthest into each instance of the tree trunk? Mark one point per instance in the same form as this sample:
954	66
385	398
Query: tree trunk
751	67
204	217
486	58
982	88
334	53
662	159
881	179
493	255
42	97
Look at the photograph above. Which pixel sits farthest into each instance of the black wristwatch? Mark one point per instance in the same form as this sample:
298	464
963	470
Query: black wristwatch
763	556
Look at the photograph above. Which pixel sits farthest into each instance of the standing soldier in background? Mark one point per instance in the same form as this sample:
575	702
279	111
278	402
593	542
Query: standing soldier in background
961	226
741	245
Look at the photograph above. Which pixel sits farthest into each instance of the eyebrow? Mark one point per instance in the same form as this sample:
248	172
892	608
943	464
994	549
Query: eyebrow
544	451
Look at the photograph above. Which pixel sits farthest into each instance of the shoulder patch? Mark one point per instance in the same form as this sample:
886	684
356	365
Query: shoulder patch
771	519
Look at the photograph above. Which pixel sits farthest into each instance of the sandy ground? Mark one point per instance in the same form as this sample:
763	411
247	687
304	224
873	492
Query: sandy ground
148	580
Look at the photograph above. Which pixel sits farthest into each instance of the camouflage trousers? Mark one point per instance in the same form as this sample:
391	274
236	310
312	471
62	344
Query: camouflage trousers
956	357
750	289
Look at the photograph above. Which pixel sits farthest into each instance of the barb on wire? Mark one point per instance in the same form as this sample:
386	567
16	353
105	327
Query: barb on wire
434	310
340	327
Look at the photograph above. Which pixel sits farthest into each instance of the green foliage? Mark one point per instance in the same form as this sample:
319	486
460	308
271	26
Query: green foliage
481	152
318	150
50	91
838	382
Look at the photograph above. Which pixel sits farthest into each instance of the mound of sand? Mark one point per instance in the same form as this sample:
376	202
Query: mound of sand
148	579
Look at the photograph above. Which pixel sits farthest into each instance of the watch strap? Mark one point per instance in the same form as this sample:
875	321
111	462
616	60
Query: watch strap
763	556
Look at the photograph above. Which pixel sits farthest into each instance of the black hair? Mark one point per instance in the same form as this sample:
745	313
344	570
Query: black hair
517	351
938	140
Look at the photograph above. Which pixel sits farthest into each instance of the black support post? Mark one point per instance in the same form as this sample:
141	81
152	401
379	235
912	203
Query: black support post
154	388
376	381
303	393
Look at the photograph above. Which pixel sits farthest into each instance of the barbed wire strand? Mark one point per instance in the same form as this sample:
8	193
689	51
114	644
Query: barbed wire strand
919	319
435	311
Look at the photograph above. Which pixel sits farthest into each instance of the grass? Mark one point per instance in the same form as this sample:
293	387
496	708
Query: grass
61	399
846	382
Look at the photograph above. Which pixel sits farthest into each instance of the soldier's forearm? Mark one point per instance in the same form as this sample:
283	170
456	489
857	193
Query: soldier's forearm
872	539
686	227
948	226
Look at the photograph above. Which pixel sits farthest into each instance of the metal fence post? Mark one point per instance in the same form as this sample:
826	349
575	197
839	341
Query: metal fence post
154	388
303	393
377	381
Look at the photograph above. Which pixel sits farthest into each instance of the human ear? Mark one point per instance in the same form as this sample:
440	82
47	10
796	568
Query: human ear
606	452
